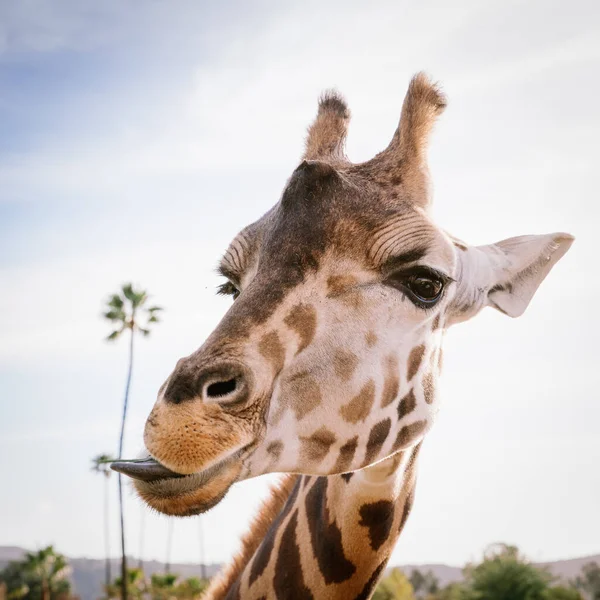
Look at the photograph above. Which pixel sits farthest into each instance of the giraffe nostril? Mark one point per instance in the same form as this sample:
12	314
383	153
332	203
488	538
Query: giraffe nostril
227	383
221	388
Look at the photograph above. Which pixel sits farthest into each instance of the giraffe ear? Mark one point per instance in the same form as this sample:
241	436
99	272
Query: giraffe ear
518	267
504	275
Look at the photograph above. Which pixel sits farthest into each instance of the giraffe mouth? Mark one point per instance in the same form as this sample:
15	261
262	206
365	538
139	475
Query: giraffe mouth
176	494
144	469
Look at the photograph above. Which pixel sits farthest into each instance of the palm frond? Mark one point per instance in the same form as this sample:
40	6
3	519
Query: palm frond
127	289
136	297
115	314
139	299
114	335
122	309
115	301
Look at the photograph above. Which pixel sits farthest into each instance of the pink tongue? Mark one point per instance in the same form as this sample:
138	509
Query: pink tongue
144	470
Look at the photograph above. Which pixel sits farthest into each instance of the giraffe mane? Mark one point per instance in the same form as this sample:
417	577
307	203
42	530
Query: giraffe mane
269	509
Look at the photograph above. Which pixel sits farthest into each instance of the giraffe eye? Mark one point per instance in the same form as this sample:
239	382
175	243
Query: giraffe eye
427	289
228	289
422	285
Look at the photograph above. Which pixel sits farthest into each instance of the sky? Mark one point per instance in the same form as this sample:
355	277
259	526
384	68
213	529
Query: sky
137	138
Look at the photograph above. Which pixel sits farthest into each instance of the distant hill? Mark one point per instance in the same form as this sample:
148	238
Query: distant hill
88	573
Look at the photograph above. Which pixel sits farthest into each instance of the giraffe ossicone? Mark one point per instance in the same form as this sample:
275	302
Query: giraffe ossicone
327	361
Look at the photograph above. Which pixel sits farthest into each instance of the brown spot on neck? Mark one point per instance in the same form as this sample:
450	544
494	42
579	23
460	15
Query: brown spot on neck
377	438
359	407
371	338
391	382
429	387
315	448
407	404
302	393
303	320
326	536
379	518
271	348
346	455
414	361
344	364
288	568
408	434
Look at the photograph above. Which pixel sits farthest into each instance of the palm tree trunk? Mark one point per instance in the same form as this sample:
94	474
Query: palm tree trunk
123	554
201	541
122	517
169	544
127	386
142	531
107	575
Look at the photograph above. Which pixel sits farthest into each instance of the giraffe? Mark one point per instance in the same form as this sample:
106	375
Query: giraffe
325	367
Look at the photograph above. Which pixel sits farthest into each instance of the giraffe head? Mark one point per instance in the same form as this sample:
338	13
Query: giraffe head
327	360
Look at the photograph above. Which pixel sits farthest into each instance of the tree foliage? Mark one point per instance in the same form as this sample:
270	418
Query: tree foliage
589	581
166	586
127	310
136	585
41	575
424	583
560	592
394	586
503	574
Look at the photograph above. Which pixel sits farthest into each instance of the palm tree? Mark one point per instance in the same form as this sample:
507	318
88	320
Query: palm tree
127	312
50	570
169	587
162	587
100	464
135	583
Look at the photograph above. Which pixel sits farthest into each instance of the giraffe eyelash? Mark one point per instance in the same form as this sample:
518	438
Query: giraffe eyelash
228	289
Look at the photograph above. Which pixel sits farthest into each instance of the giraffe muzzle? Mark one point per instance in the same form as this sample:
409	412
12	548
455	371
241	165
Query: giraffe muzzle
177	494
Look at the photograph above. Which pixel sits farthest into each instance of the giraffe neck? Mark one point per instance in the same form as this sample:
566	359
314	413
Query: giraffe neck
329	537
